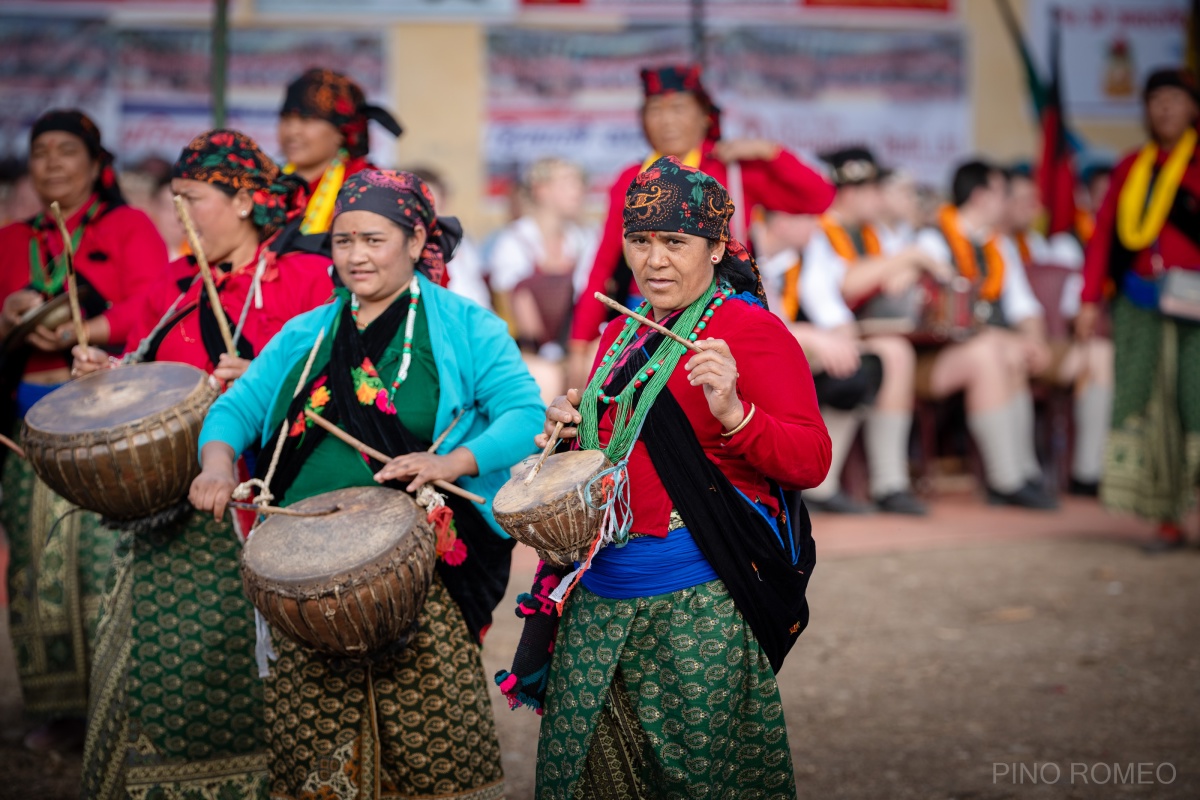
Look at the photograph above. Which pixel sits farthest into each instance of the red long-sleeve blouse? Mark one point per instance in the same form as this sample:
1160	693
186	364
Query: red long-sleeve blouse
1175	247
120	254
291	284
782	184
786	440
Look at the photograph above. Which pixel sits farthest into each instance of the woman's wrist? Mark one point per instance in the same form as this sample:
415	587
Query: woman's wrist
745	420
734	418
464	462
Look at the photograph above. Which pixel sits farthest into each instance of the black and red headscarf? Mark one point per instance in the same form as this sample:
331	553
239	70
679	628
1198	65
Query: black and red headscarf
233	160
78	124
683	78
404	198
331	96
671	196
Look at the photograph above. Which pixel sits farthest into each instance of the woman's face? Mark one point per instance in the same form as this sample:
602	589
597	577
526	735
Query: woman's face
1169	112
308	142
672	269
222	222
563	191
675	124
62	169
374	256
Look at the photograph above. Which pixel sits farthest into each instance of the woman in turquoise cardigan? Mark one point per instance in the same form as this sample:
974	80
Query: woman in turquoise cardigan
399	361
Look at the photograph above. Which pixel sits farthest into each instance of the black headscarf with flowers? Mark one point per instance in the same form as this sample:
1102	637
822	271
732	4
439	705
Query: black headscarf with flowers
231	159
404	198
331	96
671	196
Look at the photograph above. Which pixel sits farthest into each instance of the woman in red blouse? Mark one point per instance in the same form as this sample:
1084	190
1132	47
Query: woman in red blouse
323	135
662	670
239	200
681	120
117	252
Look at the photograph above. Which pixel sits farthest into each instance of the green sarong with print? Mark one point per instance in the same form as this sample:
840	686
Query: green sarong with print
59	559
1152	466
176	699
658	698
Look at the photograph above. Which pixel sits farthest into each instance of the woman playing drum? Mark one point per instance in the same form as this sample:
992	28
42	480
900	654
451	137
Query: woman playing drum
117	252
661	681
399	360
162	639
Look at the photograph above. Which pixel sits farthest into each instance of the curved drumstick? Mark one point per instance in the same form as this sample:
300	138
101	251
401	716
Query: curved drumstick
72	286
210	286
550	443
649	323
363	447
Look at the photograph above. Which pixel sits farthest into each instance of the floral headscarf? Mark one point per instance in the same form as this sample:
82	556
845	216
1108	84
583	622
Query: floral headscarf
232	159
671	196
78	124
683	78
331	96
404	198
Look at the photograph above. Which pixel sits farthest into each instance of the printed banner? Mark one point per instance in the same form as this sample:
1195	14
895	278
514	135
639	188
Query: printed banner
1109	47
148	89
577	95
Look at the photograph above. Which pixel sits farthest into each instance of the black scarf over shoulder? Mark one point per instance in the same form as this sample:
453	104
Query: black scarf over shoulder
766	575
479	582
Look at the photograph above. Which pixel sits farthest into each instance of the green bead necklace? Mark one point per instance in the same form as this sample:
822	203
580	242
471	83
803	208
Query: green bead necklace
653	377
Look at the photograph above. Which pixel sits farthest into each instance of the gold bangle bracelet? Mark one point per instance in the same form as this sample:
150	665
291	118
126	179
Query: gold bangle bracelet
745	421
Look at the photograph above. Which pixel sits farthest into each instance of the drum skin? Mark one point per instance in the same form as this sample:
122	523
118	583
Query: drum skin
121	442
552	514
344	584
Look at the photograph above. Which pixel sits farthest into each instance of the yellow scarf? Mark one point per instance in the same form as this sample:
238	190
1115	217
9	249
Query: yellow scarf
318	214
1139	222
692	159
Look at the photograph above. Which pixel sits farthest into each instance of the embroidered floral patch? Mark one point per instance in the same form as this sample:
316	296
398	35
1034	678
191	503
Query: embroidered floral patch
315	403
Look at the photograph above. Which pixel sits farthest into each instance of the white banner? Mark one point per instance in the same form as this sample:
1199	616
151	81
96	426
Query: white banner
1109	47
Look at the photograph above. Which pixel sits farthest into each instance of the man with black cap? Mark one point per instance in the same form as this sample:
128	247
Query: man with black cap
1147	248
845	265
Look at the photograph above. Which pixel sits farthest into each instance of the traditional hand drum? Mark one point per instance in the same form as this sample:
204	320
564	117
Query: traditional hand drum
121	442
348	583
552	514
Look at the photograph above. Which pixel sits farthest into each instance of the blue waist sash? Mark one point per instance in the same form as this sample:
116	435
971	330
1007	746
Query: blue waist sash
30	393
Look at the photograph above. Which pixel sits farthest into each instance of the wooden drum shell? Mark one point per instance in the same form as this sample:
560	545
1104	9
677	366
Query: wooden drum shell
558	522
129	470
349	613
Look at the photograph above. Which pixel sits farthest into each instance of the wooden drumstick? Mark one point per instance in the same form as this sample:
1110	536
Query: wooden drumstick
210	286
438	442
550	443
11	445
362	447
72	286
285	512
615	306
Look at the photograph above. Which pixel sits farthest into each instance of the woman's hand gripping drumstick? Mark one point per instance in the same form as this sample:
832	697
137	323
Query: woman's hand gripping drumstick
562	417
423	467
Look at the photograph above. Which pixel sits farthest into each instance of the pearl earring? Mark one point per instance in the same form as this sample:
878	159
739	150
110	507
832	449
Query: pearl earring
245	214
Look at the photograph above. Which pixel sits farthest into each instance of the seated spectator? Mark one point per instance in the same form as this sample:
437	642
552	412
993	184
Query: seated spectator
1087	367
994	366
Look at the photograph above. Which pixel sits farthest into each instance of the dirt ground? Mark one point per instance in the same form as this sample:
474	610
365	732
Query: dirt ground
975	654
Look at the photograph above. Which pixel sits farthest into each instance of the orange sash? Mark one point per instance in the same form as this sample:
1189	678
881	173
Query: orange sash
963	253
843	245
789	302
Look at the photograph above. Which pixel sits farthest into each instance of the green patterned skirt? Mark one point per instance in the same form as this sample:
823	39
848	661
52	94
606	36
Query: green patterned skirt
1153	462
658	698
59	559
416	724
176	701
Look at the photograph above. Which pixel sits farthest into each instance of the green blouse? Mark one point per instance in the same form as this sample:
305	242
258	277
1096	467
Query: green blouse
336	465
